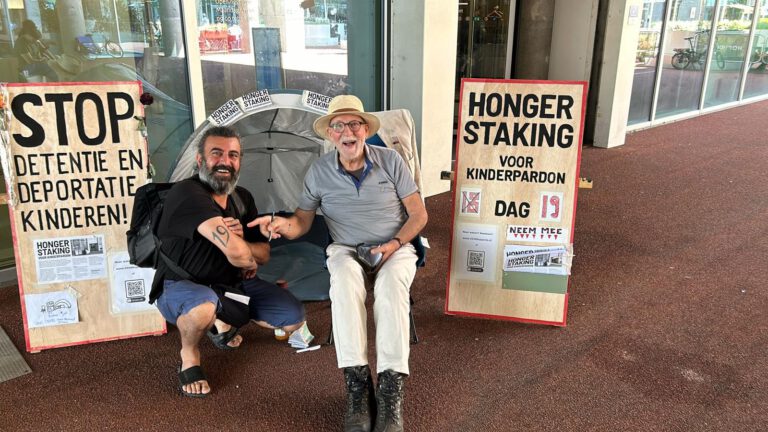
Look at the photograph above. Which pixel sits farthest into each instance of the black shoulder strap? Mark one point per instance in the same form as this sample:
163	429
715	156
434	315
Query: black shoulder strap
238	202
174	267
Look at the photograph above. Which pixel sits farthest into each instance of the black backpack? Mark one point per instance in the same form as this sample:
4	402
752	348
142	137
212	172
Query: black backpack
143	243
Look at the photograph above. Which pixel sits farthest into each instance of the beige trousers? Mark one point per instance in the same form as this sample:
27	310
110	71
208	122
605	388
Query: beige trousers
391	306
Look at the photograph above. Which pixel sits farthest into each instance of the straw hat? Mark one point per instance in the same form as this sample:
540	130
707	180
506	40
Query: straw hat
66	65
345	104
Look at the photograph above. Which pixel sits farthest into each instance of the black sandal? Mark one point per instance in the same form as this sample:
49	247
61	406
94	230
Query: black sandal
190	376
221	340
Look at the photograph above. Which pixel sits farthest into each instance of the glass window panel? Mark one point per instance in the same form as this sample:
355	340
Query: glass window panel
6	240
734	20
326	46
645	61
757	75
103	40
686	45
483	33
106	40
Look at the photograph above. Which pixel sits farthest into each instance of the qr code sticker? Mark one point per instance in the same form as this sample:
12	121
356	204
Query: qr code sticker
475	261
134	290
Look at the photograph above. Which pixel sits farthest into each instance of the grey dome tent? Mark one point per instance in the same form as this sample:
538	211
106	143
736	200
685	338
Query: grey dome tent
279	145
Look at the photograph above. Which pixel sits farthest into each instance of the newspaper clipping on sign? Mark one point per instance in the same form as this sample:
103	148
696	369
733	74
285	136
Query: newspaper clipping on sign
65	259
531	259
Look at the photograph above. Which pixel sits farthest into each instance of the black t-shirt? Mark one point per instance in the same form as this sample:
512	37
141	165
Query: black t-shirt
188	204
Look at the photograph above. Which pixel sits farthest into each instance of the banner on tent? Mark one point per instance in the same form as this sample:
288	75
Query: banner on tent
235	109
314	100
518	152
73	157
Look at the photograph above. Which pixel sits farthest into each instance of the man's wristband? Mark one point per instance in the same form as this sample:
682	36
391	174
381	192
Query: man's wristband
400	242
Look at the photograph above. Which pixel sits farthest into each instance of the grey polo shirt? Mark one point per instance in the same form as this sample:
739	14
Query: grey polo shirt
368	211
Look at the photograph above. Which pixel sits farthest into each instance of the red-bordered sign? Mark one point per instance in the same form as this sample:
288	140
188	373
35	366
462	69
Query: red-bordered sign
517	169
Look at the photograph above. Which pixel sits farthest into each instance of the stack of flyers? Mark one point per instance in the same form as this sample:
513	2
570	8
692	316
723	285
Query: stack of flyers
301	338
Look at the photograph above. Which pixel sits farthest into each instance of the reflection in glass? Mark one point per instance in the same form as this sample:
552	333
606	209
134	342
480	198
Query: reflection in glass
757	74
97	41
6	239
645	61
482	40
105	40
686	48
255	44
731	41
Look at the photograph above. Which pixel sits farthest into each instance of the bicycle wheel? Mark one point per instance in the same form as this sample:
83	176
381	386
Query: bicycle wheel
720	59
113	49
680	60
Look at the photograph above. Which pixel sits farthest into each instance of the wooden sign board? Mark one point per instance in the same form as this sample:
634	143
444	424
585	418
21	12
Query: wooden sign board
518	153
73	158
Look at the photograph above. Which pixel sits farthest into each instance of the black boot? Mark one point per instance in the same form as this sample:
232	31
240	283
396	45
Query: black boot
390	402
361	408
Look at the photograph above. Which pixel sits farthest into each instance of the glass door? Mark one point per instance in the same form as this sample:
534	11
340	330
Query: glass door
734	21
330	47
685	55
483	37
646	61
757	73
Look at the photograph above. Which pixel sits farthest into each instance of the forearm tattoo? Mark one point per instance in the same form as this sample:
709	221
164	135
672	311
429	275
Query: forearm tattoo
221	235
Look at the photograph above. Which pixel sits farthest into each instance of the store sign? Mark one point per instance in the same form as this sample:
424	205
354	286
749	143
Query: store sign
518	152
73	157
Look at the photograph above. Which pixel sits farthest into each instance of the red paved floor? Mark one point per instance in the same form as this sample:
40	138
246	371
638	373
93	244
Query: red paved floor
666	323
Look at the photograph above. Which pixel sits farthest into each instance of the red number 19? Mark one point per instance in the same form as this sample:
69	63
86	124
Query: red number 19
546	202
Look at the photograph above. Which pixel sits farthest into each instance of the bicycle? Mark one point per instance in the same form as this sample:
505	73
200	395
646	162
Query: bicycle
90	49
37	52
759	53
685	57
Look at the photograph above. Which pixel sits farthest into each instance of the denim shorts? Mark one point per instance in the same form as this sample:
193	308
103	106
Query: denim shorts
180	297
274	305
269	303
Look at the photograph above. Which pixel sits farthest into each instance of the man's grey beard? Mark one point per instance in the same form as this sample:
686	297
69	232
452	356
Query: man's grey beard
219	186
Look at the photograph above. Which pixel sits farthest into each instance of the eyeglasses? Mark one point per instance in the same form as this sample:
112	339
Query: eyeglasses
354	126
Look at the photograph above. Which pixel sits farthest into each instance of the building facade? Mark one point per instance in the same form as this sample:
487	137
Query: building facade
646	61
696	55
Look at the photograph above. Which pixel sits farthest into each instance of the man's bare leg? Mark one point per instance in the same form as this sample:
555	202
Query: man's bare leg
192	326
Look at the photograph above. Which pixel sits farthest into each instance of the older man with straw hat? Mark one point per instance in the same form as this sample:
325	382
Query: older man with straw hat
373	210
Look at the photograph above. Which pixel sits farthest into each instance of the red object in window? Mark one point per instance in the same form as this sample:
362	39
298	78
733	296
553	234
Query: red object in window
214	41
234	43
